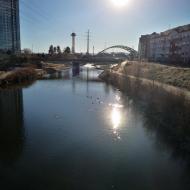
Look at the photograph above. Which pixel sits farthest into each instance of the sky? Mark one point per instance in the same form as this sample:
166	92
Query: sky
46	22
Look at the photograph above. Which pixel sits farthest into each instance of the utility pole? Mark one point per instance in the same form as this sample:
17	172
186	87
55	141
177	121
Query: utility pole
93	50
88	42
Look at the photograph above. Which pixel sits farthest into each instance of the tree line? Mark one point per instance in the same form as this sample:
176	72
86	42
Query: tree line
57	50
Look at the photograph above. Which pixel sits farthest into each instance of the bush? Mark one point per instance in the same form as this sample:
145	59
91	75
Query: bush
20	76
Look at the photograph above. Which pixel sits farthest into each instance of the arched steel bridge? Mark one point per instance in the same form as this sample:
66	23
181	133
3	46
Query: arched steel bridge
130	50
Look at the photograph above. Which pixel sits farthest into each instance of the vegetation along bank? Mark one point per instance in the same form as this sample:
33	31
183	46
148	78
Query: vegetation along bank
151	73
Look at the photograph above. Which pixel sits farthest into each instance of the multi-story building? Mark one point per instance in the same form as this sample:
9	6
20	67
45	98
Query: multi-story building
9	26
169	46
144	47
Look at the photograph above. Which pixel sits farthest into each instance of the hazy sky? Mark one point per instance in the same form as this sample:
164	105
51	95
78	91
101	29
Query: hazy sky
46	22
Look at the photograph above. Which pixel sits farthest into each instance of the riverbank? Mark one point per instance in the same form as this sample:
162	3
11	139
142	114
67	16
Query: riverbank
17	76
8	62
173	79
32	72
54	67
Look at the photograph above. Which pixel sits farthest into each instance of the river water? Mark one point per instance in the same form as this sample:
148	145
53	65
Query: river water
73	131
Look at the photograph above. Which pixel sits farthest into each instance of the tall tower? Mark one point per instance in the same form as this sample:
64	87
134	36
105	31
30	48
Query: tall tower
88	42
9	26
73	35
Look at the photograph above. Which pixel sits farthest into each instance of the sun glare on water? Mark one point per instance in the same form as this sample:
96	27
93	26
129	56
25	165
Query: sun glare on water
120	3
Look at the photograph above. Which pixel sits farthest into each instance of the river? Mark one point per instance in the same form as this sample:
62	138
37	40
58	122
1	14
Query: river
73	131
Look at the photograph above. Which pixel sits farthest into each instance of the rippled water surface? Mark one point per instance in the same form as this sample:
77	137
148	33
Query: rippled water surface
77	132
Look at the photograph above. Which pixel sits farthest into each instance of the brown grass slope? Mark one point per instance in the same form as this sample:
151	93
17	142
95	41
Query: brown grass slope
175	76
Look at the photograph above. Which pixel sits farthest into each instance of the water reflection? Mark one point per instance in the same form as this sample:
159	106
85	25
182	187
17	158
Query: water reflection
116	121
117	116
76	70
70	144
166	117
11	125
64	74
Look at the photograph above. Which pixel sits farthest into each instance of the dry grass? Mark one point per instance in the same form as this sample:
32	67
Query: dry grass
18	76
176	76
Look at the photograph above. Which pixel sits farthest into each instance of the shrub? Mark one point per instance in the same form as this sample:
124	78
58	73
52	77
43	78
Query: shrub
20	76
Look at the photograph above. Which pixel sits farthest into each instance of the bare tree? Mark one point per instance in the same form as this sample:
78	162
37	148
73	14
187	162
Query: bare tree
58	50
67	50
27	51
51	50
54	50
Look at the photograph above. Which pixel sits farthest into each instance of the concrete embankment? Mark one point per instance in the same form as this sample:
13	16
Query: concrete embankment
173	79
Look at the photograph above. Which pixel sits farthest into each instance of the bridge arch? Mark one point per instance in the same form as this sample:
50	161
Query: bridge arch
132	52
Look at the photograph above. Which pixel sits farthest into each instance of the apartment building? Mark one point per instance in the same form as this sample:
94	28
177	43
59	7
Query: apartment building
9	26
170	46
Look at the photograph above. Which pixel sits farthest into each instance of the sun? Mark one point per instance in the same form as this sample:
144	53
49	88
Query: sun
120	3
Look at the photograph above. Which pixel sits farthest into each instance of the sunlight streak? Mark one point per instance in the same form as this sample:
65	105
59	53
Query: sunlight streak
116	118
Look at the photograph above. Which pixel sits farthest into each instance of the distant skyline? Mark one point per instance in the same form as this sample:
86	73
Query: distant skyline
45	22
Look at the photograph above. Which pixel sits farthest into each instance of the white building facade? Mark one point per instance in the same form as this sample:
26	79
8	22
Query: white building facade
169	46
